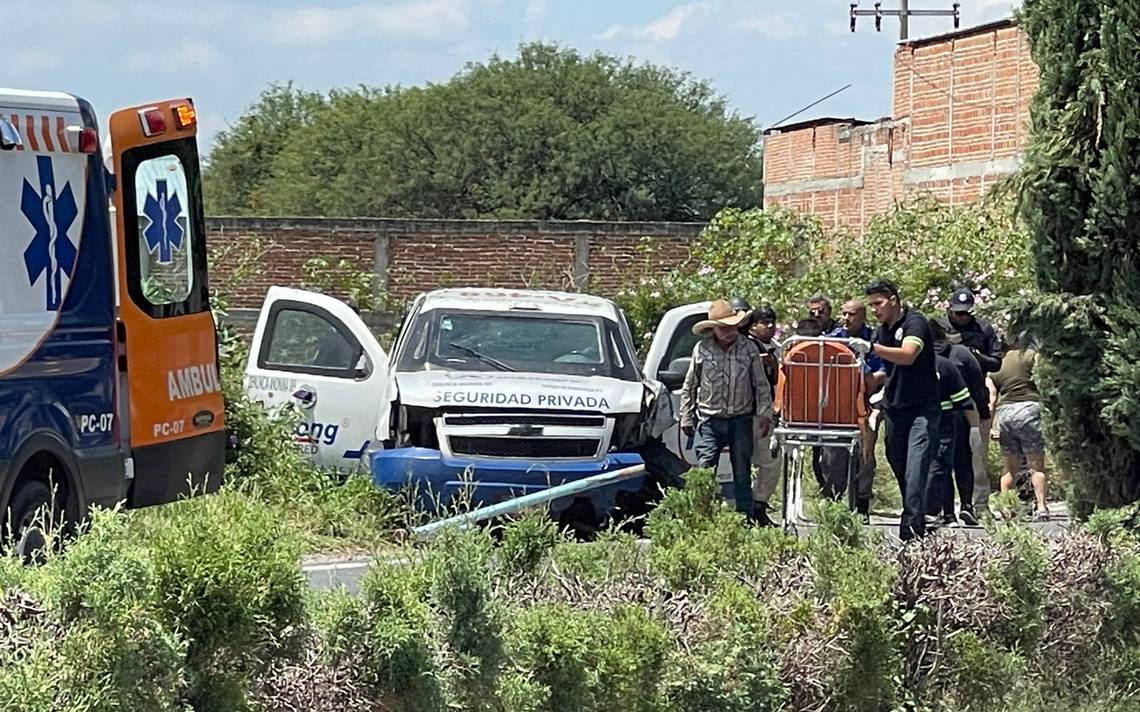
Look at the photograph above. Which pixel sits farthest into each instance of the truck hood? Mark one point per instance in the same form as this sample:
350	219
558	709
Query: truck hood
436	389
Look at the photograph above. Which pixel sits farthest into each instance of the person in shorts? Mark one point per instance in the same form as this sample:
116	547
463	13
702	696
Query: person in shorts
1018	418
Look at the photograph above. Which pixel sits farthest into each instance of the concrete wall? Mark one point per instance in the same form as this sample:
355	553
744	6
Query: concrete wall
410	256
960	120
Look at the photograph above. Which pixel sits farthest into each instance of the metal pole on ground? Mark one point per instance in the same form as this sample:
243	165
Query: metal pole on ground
510	506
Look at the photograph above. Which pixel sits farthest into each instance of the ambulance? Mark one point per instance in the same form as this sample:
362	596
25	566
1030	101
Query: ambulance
109	387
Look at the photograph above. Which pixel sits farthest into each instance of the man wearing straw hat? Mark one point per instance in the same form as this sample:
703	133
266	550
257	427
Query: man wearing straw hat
725	388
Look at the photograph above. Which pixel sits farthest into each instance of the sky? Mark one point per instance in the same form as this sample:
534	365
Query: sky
770	58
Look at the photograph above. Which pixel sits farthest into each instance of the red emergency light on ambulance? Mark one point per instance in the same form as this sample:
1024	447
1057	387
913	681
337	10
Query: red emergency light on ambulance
109	388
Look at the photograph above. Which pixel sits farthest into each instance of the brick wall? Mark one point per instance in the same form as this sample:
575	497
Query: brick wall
960	115
410	256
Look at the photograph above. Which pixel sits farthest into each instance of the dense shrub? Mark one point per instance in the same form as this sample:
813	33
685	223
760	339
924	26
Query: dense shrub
1081	202
697	541
527	542
233	592
783	257
94	634
472	620
179	611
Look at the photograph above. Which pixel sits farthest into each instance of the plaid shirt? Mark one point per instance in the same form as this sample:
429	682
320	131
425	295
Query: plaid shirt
723	383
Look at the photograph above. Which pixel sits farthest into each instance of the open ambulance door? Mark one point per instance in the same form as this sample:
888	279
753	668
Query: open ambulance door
314	353
167	343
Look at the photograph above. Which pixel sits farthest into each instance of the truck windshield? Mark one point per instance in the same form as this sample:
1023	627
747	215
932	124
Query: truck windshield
532	343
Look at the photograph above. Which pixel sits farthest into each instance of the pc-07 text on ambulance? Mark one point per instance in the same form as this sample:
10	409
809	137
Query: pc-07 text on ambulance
103	301
497	392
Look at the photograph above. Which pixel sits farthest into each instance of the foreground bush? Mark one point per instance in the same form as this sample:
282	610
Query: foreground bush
180	613
203	608
713	615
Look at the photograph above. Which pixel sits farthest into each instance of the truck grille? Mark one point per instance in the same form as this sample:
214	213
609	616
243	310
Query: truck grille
542	448
573	421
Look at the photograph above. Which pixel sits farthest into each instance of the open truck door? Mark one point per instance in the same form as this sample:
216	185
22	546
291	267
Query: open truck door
313	352
668	361
166	341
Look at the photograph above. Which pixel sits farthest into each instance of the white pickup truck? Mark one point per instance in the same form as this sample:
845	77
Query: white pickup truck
501	392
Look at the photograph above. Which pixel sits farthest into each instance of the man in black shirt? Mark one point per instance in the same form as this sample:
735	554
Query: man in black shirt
910	403
968	438
980	337
819	308
959	422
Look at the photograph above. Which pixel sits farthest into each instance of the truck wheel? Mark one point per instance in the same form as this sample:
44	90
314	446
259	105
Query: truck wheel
31	507
580	519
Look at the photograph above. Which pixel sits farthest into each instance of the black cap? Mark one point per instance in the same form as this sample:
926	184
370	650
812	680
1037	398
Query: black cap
739	304
765	313
882	286
962	300
808	326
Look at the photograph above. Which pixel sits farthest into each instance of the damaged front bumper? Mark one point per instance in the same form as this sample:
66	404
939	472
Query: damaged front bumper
440	483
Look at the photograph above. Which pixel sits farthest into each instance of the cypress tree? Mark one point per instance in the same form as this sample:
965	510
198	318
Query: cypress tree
1081	202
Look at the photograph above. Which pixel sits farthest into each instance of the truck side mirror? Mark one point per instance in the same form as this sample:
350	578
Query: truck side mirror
363	368
674	375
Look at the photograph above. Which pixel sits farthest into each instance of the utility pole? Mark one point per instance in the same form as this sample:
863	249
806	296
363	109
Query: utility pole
904	13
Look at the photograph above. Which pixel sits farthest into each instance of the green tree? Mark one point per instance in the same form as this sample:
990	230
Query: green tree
1081	201
239	164
550	134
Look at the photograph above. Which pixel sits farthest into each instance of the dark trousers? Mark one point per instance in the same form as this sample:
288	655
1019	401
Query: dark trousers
832	466
963	468
938	482
912	437
865	482
714	434
953	457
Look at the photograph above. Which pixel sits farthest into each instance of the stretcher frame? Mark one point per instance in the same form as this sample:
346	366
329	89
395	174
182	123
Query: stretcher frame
794	439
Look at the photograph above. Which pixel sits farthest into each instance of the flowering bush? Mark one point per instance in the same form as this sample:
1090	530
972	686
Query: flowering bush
930	249
758	254
781	257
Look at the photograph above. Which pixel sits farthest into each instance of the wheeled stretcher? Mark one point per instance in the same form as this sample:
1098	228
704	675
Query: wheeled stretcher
820	401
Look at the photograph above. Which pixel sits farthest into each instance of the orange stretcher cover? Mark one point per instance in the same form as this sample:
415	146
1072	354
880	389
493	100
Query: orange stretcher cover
814	397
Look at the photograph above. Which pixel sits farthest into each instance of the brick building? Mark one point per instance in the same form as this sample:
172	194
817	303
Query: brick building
959	123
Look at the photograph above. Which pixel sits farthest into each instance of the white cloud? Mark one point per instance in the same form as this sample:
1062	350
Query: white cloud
187	55
422	18
781	26
208	127
977	11
663	29
198	55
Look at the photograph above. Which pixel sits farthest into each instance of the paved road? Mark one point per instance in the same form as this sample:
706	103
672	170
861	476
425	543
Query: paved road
346	573
326	573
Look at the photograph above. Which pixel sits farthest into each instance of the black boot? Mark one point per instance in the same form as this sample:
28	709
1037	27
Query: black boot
761	515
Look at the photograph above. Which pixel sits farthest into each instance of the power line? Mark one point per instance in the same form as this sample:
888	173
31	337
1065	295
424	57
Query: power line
814	103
